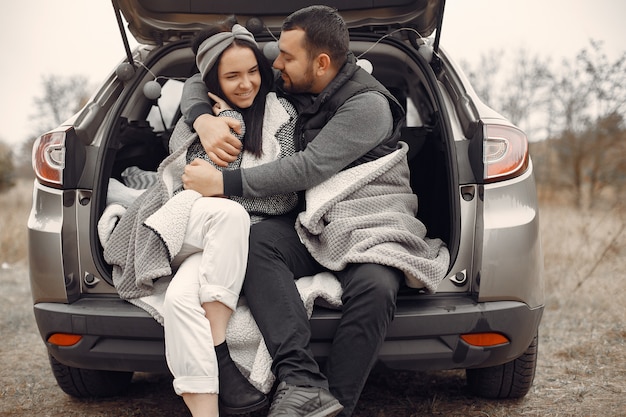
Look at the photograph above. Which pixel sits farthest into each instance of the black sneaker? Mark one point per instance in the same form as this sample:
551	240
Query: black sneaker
293	401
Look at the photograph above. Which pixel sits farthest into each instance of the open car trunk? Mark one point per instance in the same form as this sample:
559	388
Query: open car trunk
140	136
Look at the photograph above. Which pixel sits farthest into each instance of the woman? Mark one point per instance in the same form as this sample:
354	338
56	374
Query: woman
205	239
233	68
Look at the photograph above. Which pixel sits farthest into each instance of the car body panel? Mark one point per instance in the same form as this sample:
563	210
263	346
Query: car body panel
159	21
45	224
512	244
424	335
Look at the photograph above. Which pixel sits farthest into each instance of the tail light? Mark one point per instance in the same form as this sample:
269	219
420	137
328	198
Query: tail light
505	152
64	339
58	159
49	158
485	339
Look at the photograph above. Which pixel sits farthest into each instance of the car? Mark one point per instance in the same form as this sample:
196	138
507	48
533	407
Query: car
470	169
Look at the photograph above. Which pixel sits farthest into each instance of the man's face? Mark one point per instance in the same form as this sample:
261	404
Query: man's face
294	63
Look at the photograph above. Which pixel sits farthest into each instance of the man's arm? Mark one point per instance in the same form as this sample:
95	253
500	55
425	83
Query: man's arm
215	133
361	124
194	101
201	176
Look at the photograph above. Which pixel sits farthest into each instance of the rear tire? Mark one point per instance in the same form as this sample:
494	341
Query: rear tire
509	380
89	383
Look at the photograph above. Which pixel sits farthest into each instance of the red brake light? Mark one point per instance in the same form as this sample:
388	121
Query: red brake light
485	339
49	158
505	152
64	339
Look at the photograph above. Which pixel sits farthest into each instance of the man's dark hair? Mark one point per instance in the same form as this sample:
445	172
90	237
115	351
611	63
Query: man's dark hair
325	32
252	116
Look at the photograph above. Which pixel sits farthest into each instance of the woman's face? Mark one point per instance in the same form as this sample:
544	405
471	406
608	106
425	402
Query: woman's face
239	76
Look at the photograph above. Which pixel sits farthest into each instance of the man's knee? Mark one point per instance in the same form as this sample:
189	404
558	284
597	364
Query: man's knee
275	241
377	283
272	231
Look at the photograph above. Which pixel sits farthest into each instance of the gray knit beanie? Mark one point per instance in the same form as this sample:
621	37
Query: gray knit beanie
212	47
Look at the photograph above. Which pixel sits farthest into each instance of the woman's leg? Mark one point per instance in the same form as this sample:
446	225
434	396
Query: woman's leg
218	230
189	341
218	314
224	240
202	405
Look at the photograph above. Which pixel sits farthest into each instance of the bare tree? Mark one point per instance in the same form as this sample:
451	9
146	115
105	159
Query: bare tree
520	91
606	155
484	76
580	105
62	97
567	109
526	96
7	179
608	92
606	80
589	96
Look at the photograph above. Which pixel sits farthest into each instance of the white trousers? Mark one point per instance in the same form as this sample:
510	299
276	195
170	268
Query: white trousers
211	267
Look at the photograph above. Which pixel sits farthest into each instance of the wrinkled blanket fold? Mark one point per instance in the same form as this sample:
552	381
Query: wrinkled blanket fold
245	342
246	345
140	250
366	214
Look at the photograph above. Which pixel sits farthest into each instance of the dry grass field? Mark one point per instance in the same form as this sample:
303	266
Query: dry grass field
582	348
14	208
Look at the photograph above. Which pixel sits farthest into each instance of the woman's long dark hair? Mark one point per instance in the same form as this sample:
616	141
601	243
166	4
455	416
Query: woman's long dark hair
252	116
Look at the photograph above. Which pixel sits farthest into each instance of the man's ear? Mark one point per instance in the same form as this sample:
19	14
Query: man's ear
323	64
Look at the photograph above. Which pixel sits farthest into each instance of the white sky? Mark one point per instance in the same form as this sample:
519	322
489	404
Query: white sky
80	37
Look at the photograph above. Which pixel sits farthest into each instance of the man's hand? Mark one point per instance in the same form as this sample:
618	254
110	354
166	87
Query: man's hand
202	177
220	105
218	141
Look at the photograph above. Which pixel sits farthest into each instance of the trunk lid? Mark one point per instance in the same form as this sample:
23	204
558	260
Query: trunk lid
162	21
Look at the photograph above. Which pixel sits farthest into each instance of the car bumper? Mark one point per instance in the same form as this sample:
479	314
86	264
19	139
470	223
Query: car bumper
117	336
423	335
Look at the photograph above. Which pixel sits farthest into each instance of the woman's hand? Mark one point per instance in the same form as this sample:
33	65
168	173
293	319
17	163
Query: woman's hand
220	105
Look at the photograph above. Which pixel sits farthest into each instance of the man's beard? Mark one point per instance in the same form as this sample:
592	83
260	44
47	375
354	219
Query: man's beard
306	86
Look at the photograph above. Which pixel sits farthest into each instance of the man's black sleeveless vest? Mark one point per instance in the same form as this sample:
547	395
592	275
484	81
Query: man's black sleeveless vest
350	81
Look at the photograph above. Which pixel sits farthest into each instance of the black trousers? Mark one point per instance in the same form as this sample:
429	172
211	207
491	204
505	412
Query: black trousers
277	258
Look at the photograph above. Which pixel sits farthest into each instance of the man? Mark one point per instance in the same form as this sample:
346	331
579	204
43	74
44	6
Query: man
346	119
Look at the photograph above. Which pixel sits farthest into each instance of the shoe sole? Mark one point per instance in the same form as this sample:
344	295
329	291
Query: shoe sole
242	410
332	410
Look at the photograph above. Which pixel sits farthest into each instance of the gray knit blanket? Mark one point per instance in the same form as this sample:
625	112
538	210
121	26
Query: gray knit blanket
246	344
366	214
150	233
140	254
